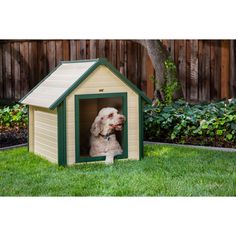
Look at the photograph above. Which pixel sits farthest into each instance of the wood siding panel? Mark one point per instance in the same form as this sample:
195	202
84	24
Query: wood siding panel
45	133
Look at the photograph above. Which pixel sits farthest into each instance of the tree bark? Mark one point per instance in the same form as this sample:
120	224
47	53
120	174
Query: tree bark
158	55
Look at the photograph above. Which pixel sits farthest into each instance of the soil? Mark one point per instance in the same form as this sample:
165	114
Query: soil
13	136
199	141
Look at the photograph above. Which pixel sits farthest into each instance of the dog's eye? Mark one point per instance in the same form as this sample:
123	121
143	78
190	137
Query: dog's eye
110	115
101	118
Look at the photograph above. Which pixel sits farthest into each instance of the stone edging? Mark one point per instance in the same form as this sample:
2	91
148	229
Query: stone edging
15	146
151	143
193	146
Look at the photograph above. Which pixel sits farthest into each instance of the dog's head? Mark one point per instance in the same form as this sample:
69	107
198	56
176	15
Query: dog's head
107	121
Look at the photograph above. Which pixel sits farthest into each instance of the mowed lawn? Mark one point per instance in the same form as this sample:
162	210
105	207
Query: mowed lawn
165	171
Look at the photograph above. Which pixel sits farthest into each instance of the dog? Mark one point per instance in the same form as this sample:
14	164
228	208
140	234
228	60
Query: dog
103	140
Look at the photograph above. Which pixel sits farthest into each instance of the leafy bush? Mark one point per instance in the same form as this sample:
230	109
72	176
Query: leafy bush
180	122
13	116
13	125
171	84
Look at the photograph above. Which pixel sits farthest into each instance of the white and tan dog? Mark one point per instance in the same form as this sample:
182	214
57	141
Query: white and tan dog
103	139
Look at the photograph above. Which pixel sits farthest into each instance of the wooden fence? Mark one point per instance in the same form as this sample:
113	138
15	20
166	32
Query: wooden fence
206	68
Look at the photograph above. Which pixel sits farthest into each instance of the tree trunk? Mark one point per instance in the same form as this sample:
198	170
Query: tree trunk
158	55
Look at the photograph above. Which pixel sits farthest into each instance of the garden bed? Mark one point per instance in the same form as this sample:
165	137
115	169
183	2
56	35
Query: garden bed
212	124
13	125
13	136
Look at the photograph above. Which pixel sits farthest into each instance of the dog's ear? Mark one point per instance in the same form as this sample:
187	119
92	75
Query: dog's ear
96	127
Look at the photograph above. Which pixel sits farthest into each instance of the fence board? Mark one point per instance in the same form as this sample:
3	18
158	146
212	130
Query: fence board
232	68
206	72
143	69
78	49
24	67
66	50
1	75
87	49
16	69
33	58
101	48
150	76
7	86
138	67
214	72
43	62
122	57
73	50
217	83
59	50
118	54
171	48
194	70
225	68
182	66
93	49
130	61
51	52
82	49
188	69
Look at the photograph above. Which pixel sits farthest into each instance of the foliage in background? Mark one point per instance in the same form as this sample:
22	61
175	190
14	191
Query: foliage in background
13	125
171	83
203	124
13	116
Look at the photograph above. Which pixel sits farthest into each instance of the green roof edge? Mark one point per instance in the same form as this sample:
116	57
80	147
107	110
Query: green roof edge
100	61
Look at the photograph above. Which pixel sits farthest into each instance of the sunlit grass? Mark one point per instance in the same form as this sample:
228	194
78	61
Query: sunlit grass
165	171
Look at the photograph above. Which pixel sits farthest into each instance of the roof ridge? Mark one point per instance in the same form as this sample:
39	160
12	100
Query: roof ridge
80	61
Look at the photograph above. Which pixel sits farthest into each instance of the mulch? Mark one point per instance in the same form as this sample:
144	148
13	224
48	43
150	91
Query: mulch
199	141
13	136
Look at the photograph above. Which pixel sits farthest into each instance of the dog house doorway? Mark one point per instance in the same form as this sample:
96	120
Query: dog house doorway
86	109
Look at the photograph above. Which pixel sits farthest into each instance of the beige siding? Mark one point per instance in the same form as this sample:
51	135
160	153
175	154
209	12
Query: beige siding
44	137
103	78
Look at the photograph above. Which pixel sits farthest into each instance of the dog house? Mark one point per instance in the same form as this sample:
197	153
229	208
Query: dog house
64	104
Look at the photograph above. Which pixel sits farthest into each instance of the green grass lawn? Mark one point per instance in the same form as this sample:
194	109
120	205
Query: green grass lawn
165	171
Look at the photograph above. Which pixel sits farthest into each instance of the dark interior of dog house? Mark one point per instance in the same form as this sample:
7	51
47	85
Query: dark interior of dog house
89	109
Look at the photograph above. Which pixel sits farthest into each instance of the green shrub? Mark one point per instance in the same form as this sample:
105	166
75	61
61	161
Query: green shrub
13	116
180	122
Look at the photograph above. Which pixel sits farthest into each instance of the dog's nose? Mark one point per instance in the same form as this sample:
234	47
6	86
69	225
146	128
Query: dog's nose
122	118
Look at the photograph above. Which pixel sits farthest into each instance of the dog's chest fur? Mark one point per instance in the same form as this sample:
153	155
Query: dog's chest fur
104	144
